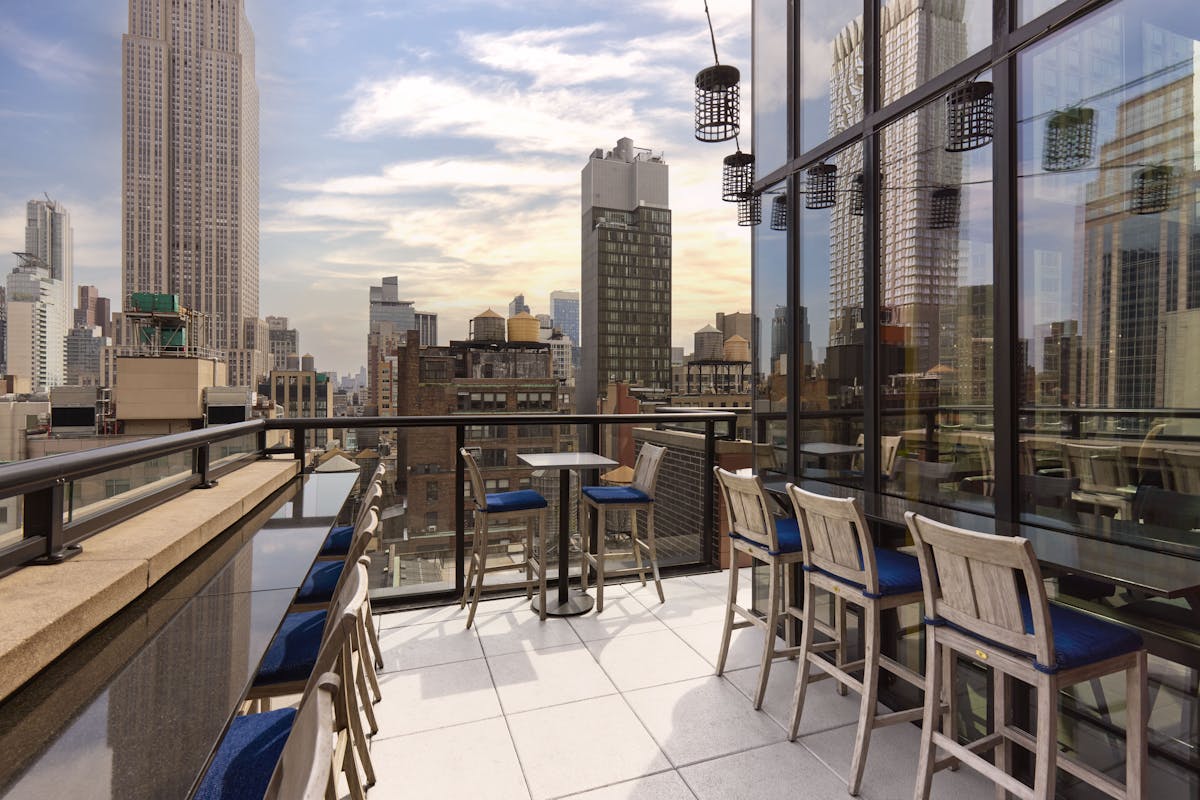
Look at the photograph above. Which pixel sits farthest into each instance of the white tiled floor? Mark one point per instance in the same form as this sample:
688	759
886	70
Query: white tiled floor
623	704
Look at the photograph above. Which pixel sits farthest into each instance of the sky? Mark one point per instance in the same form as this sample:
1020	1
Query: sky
439	142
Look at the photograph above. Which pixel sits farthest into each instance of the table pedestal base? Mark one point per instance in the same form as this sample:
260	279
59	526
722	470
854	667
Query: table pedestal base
577	603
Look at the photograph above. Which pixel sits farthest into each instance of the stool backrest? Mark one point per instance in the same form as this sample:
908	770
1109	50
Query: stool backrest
970	581
835	537
746	504
1184	469
889	446
478	490
358	548
1097	468
370	500
645	471
347	602
306	763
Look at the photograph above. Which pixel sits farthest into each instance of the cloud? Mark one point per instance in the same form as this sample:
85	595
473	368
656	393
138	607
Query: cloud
315	30
54	61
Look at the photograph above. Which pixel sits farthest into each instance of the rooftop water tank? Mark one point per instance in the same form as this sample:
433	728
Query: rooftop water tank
523	328
487	327
737	348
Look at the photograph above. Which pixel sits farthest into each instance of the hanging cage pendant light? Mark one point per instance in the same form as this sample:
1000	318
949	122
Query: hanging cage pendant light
779	212
856	195
749	210
718	104
1070	139
944	209
821	189
737	177
1152	190
970	117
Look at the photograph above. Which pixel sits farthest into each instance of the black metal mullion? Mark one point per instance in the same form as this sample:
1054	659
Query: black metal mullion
872	425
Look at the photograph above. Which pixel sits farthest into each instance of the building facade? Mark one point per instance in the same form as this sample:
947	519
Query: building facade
993	261
189	206
38	297
303	393
625	315
282	340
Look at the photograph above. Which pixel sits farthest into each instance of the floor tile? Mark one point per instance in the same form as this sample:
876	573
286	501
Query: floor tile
745	644
690	605
648	659
701	719
535	679
430	764
571	748
622	615
783	771
824	708
424	699
428	645
891	770
663	786
424	616
718	582
513	632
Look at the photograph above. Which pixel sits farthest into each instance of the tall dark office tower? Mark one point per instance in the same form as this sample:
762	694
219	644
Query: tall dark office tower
626	273
189	206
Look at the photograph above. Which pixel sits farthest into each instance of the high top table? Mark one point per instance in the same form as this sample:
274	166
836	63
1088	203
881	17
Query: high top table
565	604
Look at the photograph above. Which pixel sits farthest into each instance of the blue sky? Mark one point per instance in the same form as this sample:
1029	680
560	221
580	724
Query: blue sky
440	142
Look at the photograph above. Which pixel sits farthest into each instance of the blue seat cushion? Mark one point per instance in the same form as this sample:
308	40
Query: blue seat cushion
787	530
242	766
337	543
320	582
616	494
293	652
1080	638
523	500
899	573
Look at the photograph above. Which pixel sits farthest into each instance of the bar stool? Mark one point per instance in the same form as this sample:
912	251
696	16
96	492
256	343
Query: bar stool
976	607
773	541
337	543
638	495
840	558
525	504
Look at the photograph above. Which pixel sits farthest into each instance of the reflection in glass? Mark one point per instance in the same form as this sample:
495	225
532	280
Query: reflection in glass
1109	309
769	84
936	318
830	368
829	94
920	40
771	342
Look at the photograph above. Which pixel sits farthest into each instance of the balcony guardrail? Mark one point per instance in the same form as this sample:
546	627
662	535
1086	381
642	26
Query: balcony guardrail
53	530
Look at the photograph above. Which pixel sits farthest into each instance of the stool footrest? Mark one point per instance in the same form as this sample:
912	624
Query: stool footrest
1087	774
981	765
902	672
896	717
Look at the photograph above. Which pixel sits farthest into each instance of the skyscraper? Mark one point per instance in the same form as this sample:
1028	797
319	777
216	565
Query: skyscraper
284	341
518	305
564	310
190	165
626	272
39	297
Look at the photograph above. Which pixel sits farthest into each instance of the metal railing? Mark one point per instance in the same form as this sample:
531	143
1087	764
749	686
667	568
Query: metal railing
52	531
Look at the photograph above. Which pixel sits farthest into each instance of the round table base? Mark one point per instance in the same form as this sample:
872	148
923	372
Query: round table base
577	603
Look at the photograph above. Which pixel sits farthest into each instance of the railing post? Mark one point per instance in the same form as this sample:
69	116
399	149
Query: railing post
298	445
261	442
43	516
710	461
460	516
200	466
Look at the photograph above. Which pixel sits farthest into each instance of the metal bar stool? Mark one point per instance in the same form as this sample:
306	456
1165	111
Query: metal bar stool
840	558
525	504
975	607
639	495
773	541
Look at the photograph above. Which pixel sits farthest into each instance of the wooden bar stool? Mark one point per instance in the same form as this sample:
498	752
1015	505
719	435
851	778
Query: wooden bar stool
637	496
773	541
976	607
840	558
524	504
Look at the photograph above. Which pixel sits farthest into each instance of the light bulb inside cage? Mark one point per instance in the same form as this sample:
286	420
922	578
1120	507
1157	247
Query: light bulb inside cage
1070	139
856	195
1152	190
820	186
970	117
779	212
944	208
737	177
749	210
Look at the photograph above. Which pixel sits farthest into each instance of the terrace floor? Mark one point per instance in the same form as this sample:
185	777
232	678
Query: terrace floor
622	704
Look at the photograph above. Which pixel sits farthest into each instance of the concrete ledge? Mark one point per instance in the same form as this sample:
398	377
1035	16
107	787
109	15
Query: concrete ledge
46	610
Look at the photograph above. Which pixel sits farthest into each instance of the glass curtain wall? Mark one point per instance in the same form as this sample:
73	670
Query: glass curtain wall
772	339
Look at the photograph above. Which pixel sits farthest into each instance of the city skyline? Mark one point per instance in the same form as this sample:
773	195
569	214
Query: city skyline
445	189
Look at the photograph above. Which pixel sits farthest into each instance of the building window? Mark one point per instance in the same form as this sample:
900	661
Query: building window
494	457
431	492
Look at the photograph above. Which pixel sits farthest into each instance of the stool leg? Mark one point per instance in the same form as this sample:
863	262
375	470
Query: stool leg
730	602
653	550
933	680
806	642
470	565
542	564
585	545
949	697
839	626
601	527
1136	712
769	639
1000	705
481	529
866	709
637	548
1045	770
529	520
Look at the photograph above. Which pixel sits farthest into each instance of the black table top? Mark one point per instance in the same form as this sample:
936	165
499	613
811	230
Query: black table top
134	710
1165	574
